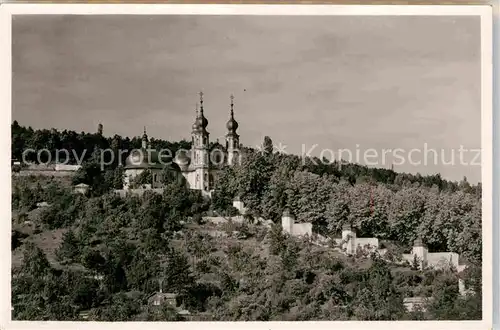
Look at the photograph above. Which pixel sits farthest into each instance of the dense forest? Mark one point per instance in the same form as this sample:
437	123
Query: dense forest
113	251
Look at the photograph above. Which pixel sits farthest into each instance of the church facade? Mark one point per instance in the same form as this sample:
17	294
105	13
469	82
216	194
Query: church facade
198	166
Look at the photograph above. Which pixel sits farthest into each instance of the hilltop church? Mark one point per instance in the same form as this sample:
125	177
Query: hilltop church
198	166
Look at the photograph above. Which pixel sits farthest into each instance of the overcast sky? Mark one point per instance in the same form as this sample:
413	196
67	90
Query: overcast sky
338	82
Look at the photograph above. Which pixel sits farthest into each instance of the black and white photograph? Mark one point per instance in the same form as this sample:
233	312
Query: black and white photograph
208	164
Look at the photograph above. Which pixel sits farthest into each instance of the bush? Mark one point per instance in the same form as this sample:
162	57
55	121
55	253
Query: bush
69	248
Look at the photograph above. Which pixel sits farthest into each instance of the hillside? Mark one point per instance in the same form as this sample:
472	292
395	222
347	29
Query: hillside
102	256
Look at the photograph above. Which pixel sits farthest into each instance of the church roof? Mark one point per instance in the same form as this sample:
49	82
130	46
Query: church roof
184	161
148	159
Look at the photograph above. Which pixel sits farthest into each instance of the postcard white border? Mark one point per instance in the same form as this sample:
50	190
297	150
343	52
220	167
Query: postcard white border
484	11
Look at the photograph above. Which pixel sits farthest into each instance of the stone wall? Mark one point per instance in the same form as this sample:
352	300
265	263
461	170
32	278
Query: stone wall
55	170
442	259
220	220
367	242
302	229
45	173
416	303
136	192
436	260
240	206
295	229
71	168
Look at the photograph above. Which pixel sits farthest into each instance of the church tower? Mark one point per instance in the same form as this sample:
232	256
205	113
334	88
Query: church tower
144	141
232	138
200	150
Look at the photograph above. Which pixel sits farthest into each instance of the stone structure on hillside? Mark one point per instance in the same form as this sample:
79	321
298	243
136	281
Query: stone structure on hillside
161	298
350	243
294	229
198	166
239	205
42	204
147	159
81	188
413	304
56	170
433	260
436	260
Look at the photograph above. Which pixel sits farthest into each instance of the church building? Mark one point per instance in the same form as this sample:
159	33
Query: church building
199	165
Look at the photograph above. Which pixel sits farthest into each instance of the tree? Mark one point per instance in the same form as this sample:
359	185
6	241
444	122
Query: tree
445	294
35	262
267	146
276	239
378	297
118	308
142	271
93	260
69	248
176	273
146	177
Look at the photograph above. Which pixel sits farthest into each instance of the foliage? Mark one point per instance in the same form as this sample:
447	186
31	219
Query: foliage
127	245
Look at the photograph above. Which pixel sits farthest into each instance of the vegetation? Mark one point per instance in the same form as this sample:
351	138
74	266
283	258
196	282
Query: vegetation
115	250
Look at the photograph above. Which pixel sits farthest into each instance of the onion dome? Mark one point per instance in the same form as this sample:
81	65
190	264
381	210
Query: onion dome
182	160
202	121
232	125
196	126
146	159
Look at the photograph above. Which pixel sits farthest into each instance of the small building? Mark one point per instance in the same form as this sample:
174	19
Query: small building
350	242
184	312
84	315
160	299
436	260
67	168
413	304
148	159
239	205
82	188
295	229
42	204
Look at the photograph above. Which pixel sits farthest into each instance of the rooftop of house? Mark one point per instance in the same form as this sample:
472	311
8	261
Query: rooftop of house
164	295
416	299
159	297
